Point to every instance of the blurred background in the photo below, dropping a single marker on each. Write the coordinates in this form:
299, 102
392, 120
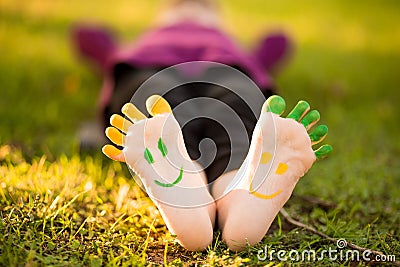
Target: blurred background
346, 59
346, 53
346, 63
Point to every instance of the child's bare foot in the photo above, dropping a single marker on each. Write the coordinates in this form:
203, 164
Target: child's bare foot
280, 153
154, 149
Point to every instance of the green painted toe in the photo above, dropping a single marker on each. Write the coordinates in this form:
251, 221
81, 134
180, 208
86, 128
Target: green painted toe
276, 104
299, 110
323, 151
319, 133
312, 117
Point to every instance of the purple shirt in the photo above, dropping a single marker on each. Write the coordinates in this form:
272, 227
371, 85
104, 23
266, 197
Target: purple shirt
186, 42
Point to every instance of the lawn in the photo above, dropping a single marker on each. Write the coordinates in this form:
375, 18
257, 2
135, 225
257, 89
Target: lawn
61, 207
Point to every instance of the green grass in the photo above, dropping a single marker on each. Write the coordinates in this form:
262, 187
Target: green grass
58, 207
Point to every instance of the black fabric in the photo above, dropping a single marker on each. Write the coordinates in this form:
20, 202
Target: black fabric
231, 147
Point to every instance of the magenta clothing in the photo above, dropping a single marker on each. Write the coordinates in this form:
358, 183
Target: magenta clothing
181, 43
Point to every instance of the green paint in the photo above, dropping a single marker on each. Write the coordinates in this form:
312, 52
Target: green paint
162, 147
148, 156
276, 104
323, 151
173, 183
312, 117
298, 111
319, 133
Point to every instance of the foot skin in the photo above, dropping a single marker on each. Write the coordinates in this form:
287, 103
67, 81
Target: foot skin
280, 153
154, 149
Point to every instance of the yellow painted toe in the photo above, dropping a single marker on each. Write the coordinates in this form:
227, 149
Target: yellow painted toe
132, 112
115, 136
156, 104
113, 153
120, 123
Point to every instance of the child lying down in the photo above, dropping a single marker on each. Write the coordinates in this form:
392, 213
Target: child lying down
199, 85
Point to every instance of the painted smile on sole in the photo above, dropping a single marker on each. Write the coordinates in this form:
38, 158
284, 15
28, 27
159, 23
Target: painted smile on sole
173, 183
282, 168
263, 196
164, 151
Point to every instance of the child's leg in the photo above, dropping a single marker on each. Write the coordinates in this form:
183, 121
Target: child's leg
154, 148
280, 153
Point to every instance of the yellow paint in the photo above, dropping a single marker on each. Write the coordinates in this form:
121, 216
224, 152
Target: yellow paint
282, 168
132, 112
265, 157
113, 153
115, 136
262, 196
120, 123
156, 104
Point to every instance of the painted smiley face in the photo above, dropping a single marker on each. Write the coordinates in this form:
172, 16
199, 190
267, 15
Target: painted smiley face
281, 169
164, 151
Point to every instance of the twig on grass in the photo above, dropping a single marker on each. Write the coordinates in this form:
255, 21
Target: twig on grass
292, 221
